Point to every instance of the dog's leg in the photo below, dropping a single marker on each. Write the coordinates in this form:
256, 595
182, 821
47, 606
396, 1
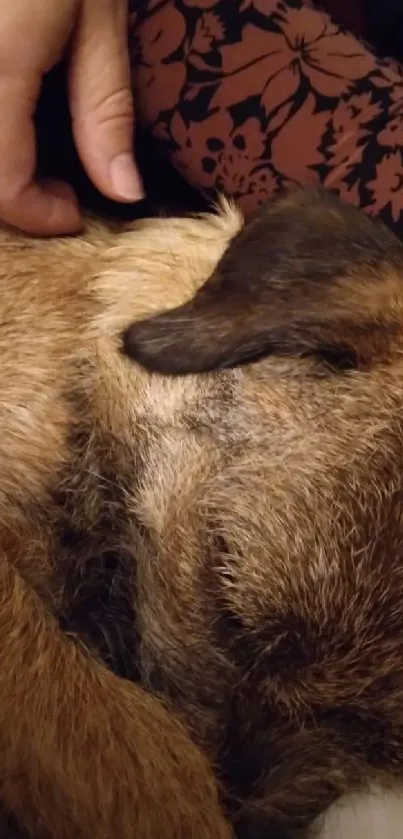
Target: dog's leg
83, 753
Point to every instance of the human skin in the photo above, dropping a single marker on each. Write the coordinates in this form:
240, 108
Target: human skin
92, 36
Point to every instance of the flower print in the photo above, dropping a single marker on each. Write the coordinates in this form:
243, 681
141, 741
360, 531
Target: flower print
297, 160
392, 134
258, 5
308, 45
208, 30
161, 34
156, 39
261, 186
201, 4
352, 115
151, 88
227, 154
343, 154
350, 128
386, 188
348, 193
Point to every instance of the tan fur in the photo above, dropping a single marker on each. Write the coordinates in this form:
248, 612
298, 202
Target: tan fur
83, 753
254, 517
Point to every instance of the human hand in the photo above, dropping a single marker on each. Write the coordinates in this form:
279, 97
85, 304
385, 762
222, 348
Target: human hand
34, 36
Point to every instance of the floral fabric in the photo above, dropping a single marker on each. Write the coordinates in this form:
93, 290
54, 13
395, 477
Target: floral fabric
246, 96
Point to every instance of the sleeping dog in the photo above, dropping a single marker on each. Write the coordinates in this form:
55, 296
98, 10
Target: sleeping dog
201, 614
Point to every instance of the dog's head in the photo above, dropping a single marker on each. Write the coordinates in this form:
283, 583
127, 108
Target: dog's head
313, 471
308, 276
290, 466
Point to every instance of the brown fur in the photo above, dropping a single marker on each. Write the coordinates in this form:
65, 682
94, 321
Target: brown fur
284, 286
231, 542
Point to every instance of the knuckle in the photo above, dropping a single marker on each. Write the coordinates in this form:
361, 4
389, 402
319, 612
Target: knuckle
10, 193
115, 106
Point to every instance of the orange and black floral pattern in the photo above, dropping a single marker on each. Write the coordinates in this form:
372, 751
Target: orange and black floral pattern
246, 96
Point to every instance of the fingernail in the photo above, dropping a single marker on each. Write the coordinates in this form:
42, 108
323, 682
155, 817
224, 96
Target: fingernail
125, 178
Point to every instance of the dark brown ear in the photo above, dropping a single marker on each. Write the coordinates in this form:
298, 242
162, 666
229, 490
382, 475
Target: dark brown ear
307, 276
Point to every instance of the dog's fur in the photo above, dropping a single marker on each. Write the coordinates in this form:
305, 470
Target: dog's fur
232, 542
284, 286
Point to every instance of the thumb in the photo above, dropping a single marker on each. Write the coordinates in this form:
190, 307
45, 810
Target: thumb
101, 101
39, 209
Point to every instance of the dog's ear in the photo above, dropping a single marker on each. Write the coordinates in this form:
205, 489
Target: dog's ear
307, 276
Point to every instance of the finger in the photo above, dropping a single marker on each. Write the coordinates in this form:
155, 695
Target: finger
46, 209
101, 101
